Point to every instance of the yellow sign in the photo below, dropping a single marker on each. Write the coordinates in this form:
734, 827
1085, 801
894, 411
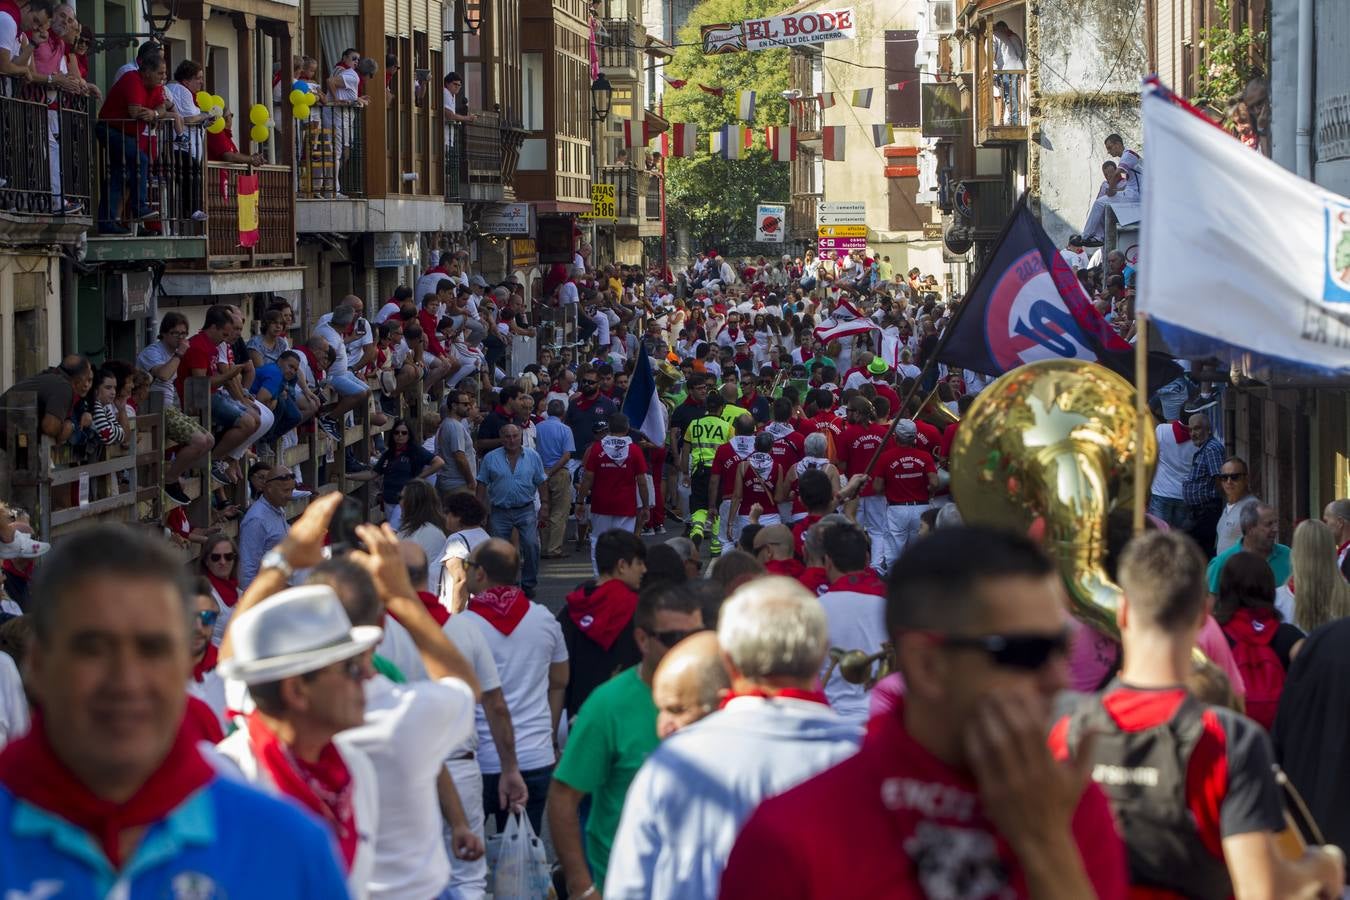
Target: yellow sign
604, 204
830, 231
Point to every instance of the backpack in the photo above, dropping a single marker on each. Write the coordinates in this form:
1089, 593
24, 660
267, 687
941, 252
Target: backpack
1263, 675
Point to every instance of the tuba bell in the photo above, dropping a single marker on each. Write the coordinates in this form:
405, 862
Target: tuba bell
1053, 445
856, 666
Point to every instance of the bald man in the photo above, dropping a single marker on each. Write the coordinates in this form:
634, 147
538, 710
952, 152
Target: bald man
689, 683
775, 549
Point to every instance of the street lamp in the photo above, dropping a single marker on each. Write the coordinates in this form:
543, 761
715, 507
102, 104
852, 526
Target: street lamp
601, 95
159, 23
473, 20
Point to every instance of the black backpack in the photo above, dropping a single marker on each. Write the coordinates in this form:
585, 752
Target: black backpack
1143, 773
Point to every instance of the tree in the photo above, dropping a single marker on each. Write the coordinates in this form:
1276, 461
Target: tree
715, 198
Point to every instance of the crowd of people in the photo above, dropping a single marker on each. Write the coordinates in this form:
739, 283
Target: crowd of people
820, 683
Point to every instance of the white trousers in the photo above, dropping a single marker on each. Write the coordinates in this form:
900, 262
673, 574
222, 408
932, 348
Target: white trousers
902, 527
601, 523
1095, 229
872, 517
265, 421
469, 879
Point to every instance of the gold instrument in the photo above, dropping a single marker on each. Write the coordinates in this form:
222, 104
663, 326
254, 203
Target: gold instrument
1052, 445
936, 413
855, 666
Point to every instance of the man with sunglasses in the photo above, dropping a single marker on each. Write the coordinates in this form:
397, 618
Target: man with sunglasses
1164, 757
1237, 493
611, 737
954, 793
264, 526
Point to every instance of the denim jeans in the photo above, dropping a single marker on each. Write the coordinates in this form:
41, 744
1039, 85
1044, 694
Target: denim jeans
1011, 88
524, 519
536, 782
287, 417
127, 166
1172, 511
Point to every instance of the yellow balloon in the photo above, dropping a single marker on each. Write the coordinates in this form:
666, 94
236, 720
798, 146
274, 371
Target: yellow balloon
300, 110
203, 99
216, 127
217, 101
259, 133
298, 97
258, 114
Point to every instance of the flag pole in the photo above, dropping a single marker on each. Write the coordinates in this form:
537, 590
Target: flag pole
1142, 418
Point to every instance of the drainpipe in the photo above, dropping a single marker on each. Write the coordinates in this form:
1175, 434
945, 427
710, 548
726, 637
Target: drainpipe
1303, 128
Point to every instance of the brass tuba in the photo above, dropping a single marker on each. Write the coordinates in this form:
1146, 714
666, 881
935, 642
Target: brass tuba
1055, 442
856, 666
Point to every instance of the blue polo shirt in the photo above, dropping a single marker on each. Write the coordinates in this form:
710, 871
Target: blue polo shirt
509, 488
552, 438
225, 840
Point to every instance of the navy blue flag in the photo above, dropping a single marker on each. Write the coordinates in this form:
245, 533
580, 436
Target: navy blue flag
1026, 305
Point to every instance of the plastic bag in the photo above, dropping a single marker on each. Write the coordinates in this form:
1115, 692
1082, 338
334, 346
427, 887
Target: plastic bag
520, 870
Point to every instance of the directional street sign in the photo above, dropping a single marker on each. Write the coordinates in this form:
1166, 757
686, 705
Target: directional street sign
842, 243
839, 231
842, 212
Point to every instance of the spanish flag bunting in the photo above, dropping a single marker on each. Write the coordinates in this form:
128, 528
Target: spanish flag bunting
246, 189
832, 142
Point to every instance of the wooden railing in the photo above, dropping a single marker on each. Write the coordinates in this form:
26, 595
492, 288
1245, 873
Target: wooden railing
804, 113
276, 216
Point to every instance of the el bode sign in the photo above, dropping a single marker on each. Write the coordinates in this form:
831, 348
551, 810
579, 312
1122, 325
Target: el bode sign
779, 31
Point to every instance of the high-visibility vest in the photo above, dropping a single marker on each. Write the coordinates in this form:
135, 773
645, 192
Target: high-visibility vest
705, 435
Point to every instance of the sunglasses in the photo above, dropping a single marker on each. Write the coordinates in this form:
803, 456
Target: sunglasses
1029, 652
280, 478
1231, 476
671, 638
208, 618
222, 557
589, 383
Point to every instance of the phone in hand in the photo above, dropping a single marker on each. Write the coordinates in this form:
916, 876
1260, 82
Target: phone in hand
342, 528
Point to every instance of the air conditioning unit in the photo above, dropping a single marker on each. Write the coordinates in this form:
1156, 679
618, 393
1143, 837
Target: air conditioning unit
941, 16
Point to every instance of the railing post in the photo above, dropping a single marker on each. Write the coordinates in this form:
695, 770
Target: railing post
197, 403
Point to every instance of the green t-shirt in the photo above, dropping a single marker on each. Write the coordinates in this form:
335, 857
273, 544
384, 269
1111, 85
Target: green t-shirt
387, 669
611, 737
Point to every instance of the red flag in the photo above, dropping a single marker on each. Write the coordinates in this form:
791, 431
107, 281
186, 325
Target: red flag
748, 137
676, 83
637, 134
782, 142
246, 188
715, 91
679, 141
832, 142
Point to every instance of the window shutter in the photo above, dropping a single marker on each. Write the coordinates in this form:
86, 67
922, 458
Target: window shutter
902, 106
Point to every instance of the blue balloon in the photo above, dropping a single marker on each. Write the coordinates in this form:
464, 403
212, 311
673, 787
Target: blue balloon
301, 86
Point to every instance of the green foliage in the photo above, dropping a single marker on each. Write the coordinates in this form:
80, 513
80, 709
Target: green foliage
715, 198
1232, 58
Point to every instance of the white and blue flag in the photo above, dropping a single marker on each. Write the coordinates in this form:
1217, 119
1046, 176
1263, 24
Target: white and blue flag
642, 405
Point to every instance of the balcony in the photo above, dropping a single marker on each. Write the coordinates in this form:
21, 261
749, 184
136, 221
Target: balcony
805, 115
45, 157
475, 163
332, 154
620, 49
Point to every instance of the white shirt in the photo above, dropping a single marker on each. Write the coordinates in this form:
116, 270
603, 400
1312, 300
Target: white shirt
399, 648
523, 659
339, 346
361, 335
470, 642
351, 84
856, 622
384, 312
1174, 463
458, 546
408, 732
672, 841
1229, 531
9, 35
601, 321
568, 293
211, 691
365, 798
129, 67
432, 540
13, 703
1077, 260
186, 104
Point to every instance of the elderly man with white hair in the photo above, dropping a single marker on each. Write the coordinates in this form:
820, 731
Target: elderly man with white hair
775, 730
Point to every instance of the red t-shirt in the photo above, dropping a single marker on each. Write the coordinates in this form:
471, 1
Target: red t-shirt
758, 489
858, 445
904, 472
893, 822
1229, 788
815, 580
892, 398
725, 461
614, 489
930, 438
789, 450
129, 91
201, 353
948, 435
799, 533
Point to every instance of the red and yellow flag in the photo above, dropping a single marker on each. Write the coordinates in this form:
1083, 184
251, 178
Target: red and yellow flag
247, 191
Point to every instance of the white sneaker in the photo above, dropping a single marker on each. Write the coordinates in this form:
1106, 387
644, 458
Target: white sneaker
24, 546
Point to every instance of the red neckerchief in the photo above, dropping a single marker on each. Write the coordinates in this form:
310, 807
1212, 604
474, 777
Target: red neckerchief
503, 606
785, 693
1181, 432
815, 580
31, 771
807, 355
313, 361
1339, 551
603, 614
433, 605
226, 588
791, 568
864, 582
325, 787
206, 664
19, 568
583, 403
200, 722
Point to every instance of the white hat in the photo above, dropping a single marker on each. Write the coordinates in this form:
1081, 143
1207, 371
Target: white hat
298, 630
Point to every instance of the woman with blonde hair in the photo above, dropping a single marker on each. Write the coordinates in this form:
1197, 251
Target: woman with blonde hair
1321, 593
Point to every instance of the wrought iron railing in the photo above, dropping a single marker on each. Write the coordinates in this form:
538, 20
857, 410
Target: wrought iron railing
150, 177
618, 45
44, 149
331, 153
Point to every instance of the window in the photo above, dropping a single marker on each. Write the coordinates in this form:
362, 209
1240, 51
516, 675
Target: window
902, 106
532, 90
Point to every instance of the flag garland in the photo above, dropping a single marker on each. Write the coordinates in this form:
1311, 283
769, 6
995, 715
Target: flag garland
715, 91
832, 142
680, 140
882, 135
862, 98
746, 110
826, 99
898, 86
637, 133
727, 142
675, 83
781, 141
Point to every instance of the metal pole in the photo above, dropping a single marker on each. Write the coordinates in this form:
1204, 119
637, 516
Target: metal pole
1141, 481
661, 111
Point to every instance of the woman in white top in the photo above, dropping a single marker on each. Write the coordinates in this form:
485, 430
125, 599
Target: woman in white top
464, 518
423, 523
